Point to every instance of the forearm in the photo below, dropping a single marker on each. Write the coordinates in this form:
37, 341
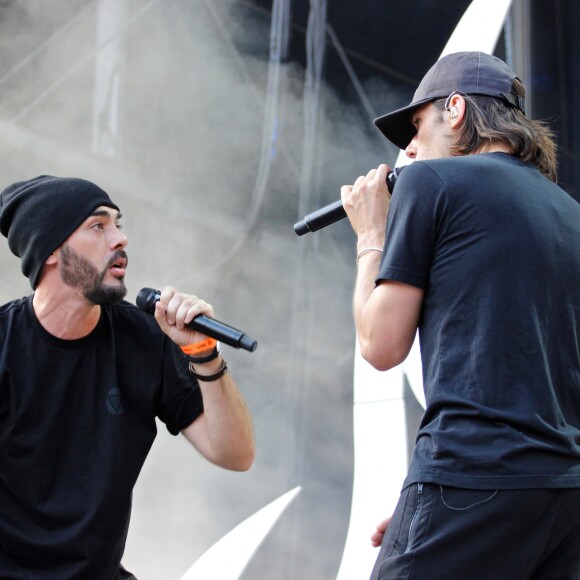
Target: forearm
366, 204
386, 315
367, 270
224, 433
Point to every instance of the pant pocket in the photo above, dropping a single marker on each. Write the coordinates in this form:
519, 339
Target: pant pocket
459, 499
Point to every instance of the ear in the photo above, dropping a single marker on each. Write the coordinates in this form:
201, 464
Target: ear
52, 259
456, 109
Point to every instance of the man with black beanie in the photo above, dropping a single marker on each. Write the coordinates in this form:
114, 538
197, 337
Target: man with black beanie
479, 250
83, 377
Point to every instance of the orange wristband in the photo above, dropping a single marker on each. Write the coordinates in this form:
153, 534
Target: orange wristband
199, 346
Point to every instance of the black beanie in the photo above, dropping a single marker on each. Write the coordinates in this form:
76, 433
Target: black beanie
38, 215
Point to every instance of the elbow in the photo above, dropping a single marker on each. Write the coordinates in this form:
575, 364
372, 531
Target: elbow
245, 461
380, 358
241, 460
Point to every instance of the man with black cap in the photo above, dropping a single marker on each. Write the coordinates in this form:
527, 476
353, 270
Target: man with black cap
479, 250
83, 377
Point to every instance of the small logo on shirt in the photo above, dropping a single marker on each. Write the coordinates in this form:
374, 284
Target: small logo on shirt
114, 405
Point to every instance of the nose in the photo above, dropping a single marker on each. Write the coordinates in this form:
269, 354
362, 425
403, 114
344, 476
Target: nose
411, 149
119, 240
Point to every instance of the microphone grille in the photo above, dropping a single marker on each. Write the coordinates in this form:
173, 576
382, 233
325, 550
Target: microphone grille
147, 298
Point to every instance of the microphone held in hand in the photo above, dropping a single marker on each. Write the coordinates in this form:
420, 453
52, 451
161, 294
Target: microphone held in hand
334, 212
147, 298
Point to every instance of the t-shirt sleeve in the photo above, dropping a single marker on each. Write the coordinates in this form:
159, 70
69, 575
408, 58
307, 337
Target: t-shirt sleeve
412, 227
153, 371
180, 401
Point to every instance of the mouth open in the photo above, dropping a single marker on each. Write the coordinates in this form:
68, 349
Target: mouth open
118, 266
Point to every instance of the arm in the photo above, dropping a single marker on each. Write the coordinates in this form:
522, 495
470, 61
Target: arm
223, 433
386, 315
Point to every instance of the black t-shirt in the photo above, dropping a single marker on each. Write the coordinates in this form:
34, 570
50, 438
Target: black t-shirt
77, 419
496, 248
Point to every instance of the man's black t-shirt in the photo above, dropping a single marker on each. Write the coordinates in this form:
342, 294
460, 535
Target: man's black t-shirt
496, 248
77, 419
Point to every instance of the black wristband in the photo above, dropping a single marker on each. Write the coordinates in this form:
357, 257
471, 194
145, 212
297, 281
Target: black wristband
209, 378
204, 359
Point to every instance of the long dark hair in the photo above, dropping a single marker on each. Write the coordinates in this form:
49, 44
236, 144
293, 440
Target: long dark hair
491, 120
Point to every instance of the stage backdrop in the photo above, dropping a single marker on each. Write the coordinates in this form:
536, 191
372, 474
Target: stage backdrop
216, 125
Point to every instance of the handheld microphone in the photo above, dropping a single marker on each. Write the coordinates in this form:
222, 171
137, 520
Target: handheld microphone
147, 298
334, 212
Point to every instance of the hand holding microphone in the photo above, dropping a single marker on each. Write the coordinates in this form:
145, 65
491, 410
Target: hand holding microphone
334, 212
211, 327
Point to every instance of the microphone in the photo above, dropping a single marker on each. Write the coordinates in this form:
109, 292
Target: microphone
334, 212
147, 298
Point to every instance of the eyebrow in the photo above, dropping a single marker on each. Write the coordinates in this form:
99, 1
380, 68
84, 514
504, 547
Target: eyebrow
104, 212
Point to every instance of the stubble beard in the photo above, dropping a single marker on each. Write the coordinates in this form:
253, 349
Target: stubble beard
77, 272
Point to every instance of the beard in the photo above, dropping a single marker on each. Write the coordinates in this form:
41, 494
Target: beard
77, 272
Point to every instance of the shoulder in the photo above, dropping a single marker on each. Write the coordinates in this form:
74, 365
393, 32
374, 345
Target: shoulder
15, 317
126, 308
461, 175
128, 317
460, 165
422, 184
134, 329
14, 307
429, 175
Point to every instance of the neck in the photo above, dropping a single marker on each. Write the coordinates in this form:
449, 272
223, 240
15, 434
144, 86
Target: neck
65, 314
495, 147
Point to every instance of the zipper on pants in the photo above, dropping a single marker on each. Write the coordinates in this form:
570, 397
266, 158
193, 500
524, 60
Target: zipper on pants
415, 515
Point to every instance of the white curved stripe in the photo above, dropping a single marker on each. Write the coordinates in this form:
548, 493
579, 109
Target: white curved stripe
379, 425
227, 558
479, 27
414, 372
380, 461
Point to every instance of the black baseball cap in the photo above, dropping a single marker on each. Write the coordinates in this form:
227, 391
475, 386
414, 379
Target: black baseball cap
470, 73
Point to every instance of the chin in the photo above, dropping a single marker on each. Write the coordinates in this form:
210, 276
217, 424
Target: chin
104, 295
